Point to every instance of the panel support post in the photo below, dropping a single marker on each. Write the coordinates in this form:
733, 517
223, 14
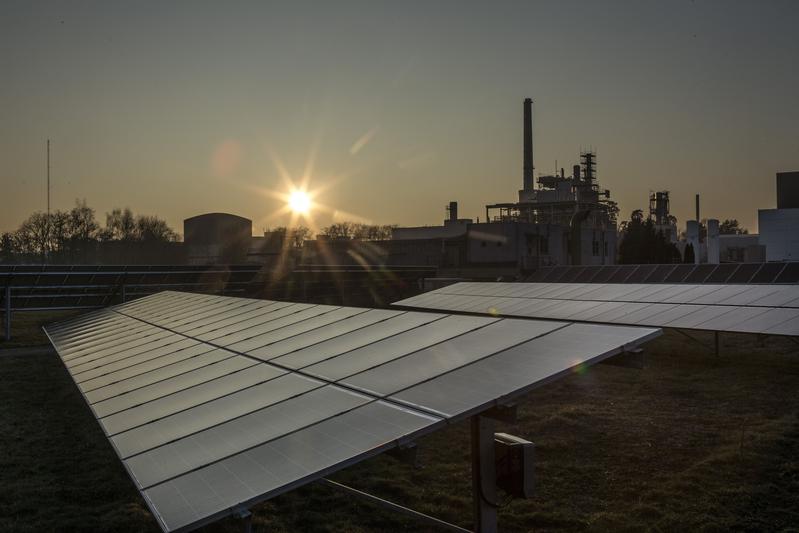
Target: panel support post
716, 344
123, 293
484, 479
245, 517
8, 313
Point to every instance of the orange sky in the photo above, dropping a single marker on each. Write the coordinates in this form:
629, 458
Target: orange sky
177, 109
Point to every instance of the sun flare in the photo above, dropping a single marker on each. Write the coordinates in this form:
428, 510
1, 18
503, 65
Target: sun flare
299, 202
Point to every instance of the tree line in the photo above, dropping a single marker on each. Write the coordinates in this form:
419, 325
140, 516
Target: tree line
358, 231
642, 243
67, 234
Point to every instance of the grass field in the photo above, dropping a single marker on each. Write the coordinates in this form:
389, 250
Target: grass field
26, 327
690, 442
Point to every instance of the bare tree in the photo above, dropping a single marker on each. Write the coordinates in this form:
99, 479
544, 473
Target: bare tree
152, 228
82, 224
355, 230
120, 225
339, 230
298, 235
8, 247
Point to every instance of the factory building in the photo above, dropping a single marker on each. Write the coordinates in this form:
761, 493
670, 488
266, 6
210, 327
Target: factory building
557, 220
779, 228
565, 220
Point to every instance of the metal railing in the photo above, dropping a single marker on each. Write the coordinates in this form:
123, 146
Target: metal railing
37, 288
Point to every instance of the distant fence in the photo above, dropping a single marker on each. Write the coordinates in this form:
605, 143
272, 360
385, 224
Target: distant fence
59, 287
55, 288
724, 273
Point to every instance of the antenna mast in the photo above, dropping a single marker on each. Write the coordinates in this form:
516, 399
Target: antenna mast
48, 180
47, 227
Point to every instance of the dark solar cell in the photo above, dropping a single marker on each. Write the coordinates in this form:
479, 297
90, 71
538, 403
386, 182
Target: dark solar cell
640, 274
555, 273
699, 274
744, 272
722, 273
768, 273
571, 275
790, 274
621, 275
679, 273
658, 275
538, 275
605, 274
588, 274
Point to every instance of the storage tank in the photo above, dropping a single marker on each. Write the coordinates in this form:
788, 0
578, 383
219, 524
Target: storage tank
713, 241
217, 238
692, 236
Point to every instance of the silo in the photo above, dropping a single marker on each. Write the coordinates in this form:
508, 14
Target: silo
713, 241
692, 236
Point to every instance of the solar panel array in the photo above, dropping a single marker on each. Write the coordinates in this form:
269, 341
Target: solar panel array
766, 309
43, 287
675, 273
214, 402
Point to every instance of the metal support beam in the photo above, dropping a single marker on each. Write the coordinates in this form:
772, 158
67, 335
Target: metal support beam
716, 343
484, 476
393, 506
505, 413
8, 313
691, 337
245, 516
124, 296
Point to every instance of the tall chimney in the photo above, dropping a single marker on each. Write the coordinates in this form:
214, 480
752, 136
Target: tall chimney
528, 145
697, 208
453, 211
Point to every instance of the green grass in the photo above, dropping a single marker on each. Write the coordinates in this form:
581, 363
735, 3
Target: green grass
690, 442
26, 327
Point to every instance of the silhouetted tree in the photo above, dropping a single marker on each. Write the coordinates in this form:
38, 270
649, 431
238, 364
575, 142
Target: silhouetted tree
642, 244
33, 235
152, 228
355, 230
120, 225
689, 256
7, 247
731, 227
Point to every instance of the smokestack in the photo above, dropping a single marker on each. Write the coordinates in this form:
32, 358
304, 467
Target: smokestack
528, 145
453, 211
697, 208
576, 172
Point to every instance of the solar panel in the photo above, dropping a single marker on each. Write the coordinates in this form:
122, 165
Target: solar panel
555, 273
745, 272
589, 274
722, 273
571, 275
214, 402
622, 273
679, 273
640, 274
789, 275
768, 273
767, 309
700, 274
605, 274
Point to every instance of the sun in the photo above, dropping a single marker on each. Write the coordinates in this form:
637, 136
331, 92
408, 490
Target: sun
299, 202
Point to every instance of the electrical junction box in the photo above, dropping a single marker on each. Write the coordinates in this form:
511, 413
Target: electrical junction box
514, 465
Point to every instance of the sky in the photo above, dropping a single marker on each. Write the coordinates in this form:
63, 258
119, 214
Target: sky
392, 109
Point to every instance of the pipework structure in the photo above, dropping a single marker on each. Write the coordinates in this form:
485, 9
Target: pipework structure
576, 204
